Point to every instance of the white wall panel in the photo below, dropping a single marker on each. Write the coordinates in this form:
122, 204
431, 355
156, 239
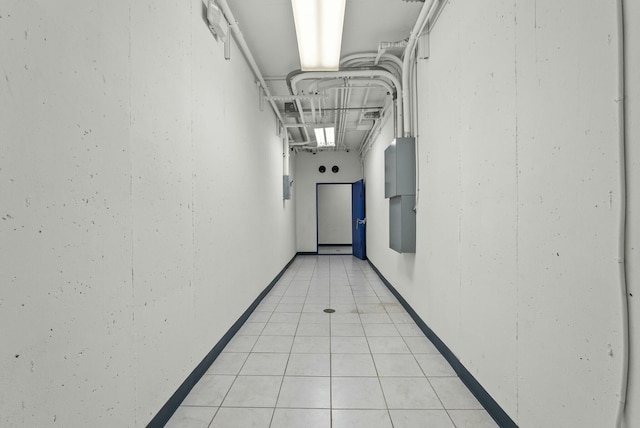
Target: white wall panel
133, 194
516, 267
307, 176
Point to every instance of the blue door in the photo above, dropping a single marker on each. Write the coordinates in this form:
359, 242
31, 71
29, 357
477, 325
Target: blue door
358, 220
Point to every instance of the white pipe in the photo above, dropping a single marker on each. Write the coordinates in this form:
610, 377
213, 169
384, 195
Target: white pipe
285, 154
242, 44
409, 52
623, 230
390, 66
370, 83
369, 55
356, 74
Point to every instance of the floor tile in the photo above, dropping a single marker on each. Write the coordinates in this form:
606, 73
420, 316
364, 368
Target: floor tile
277, 344
400, 318
380, 330
310, 345
292, 299
345, 308
369, 299
346, 329
298, 418
209, 391
434, 365
191, 417
387, 345
421, 419
292, 357
349, 345
241, 344
289, 307
371, 309
361, 419
321, 300
253, 391
394, 307
356, 393
454, 394
279, 329
352, 365
231, 417
285, 317
348, 318
409, 393
251, 329
409, 330
375, 319
259, 317
309, 318
472, 419
305, 392
314, 308
397, 365
315, 330
228, 363
308, 365
264, 364
421, 345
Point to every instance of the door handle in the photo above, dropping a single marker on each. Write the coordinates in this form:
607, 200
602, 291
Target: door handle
360, 221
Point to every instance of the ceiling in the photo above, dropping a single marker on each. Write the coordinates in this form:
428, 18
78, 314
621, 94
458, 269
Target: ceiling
350, 104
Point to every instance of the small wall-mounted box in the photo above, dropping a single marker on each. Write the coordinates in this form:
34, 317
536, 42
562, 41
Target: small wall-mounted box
402, 224
286, 187
400, 168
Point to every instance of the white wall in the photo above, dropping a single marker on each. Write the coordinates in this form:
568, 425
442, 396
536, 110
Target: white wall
334, 214
130, 184
307, 176
516, 265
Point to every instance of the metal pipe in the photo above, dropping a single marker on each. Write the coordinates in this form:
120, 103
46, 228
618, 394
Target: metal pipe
294, 79
364, 103
422, 20
372, 55
623, 231
244, 48
369, 83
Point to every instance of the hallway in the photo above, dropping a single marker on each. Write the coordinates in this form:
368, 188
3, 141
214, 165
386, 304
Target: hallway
366, 365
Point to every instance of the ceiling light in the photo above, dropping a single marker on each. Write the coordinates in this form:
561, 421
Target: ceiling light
319, 32
325, 137
330, 134
320, 137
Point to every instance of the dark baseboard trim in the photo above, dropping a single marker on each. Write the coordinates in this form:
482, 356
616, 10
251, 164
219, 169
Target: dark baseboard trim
491, 406
307, 253
165, 413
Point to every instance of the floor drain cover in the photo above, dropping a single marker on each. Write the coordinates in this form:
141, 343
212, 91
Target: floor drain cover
329, 311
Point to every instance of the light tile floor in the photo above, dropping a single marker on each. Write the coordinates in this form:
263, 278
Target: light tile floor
366, 365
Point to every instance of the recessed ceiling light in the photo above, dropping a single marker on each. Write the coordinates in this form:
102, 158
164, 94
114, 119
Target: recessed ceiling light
320, 137
319, 32
325, 137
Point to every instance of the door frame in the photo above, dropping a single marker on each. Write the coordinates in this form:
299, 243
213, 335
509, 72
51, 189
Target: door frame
317, 209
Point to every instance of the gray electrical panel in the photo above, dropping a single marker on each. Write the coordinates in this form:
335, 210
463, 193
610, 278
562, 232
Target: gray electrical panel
400, 188
402, 224
400, 168
286, 187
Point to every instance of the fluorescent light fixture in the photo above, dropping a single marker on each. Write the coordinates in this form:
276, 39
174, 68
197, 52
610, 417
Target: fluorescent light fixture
325, 137
320, 137
319, 32
330, 134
